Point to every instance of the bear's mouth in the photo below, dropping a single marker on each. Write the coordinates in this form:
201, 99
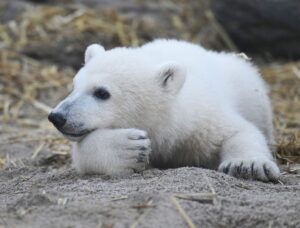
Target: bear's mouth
74, 136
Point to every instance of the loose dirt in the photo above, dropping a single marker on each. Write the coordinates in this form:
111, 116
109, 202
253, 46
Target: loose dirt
43, 196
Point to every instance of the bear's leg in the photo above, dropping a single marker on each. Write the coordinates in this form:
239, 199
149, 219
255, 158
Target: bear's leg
112, 152
245, 154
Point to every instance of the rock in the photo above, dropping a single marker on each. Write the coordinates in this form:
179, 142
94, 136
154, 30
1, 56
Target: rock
262, 27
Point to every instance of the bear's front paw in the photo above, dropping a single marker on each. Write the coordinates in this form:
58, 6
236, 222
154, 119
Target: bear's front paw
134, 148
258, 169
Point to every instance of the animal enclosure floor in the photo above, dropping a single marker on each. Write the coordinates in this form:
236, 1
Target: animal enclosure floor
44, 196
38, 187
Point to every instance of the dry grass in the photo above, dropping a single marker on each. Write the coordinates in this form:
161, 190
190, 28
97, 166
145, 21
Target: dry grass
28, 89
69, 29
284, 83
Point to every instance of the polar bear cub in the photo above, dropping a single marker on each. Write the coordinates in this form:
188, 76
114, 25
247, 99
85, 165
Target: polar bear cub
171, 103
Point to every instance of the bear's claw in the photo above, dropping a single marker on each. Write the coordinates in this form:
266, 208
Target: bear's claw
134, 149
258, 169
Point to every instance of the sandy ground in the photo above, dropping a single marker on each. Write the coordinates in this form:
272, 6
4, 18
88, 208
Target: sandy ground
39, 195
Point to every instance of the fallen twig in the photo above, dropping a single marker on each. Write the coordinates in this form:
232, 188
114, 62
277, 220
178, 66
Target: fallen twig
182, 212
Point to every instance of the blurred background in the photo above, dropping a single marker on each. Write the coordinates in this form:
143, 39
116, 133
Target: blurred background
42, 44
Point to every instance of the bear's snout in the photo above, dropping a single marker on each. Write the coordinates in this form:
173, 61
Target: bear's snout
57, 119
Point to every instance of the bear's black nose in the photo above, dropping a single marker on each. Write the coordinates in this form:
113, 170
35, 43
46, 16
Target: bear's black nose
57, 119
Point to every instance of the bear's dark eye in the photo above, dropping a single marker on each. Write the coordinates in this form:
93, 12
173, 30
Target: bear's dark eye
101, 93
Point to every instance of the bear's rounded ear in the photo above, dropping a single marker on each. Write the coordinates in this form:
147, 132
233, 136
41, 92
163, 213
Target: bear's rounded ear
171, 77
93, 50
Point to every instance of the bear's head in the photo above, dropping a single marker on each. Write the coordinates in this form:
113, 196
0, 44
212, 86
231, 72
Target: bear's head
120, 88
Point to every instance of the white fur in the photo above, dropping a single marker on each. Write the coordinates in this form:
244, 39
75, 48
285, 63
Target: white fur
212, 111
